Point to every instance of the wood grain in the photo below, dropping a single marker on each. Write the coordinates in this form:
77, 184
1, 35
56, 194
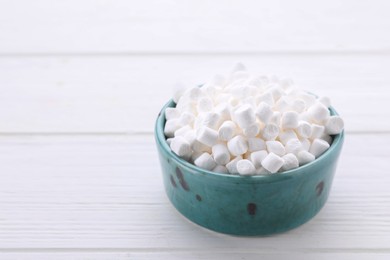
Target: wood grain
172, 26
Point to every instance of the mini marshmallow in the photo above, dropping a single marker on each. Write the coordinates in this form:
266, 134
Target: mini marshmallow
275, 118
282, 105
252, 130
237, 145
246, 167
304, 129
334, 125
186, 118
275, 147
212, 120
277, 92
272, 163
264, 112
205, 104
257, 157
171, 112
265, 98
316, 131
325, 101
327, 138
220, 169
308, 98
290, 162
169, 141
244, 116
318, 112
182, 130
170, 127
232, 165
261, 171
255, 144
286, 136
318, 147
227, 130
181, 147
289, 120
205, 161
207, 136
293, 146
270, 131
221, 154
194, 93
223, 111
305, 157
305, 144
298, 106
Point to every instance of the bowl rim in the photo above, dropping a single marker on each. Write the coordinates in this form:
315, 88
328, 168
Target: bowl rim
161, 140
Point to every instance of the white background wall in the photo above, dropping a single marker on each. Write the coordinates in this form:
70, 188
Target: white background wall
81, 83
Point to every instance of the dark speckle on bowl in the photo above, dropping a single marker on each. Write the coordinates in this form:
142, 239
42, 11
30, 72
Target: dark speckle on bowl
182, 181
173, 182
251, 208
198, 197
320, 188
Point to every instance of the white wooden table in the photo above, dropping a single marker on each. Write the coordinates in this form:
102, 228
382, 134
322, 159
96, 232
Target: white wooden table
81, 83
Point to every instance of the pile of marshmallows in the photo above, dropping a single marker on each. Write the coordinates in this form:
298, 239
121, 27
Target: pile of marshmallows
249, 125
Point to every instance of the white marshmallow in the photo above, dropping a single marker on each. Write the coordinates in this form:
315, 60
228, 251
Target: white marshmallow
220, 169
252, 130
190, 136
199, 147
298, 106
316, 131
290, 162
325, 101
205, 104
182, 130
186, 118
293, 146
282, 105
334, 125
318, 147
270, 131
290, 120
264, 112
275, 118
305, 144
245, 167
318, 112
308, 98
255, 144
276, 91
237, 145
304, 129
171, 112
169, 141
265, 98
227, 130
223, 110
181, 147
232, 165
275, 147
207, 136
257, 157
305, 157
244, 116
205, 161
194, 93
327, 138
261, 171
221, 154
286, 136
171, 126
212, 120
272, 163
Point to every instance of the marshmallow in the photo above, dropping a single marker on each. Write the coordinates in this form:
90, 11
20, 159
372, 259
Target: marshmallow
327, 138
261, 171
316, 131
237, 145
245, 116
194, 93
305, 157
190, 136
181, 147
308, 98
282, 105
171, 112
275, 118
200, 147
205, 161
318, 112
223, 111
264, 112
232, 165
286, 136
305, 144
257, 157
205, 104
277, 92
186, 118
270, 131
207, 136
293, 146
275, 147
318, 147
289, 120
304, 129
170, 127
220, 169
298, 106
252, 130
334, 125
325, 101
245, 167
265, 98
227, 130
169, 141
255, 144
272, 163
212, 120
182, 130
221, 154
290, 162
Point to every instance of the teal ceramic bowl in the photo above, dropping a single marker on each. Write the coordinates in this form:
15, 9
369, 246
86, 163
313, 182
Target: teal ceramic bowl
246, 205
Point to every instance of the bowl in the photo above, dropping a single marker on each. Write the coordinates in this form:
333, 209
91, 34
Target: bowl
246, 205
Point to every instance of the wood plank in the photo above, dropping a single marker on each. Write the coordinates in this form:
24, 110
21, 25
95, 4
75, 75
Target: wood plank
105, 193
114, 94
192, 26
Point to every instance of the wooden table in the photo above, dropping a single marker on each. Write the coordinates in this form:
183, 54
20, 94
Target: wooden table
81, 83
